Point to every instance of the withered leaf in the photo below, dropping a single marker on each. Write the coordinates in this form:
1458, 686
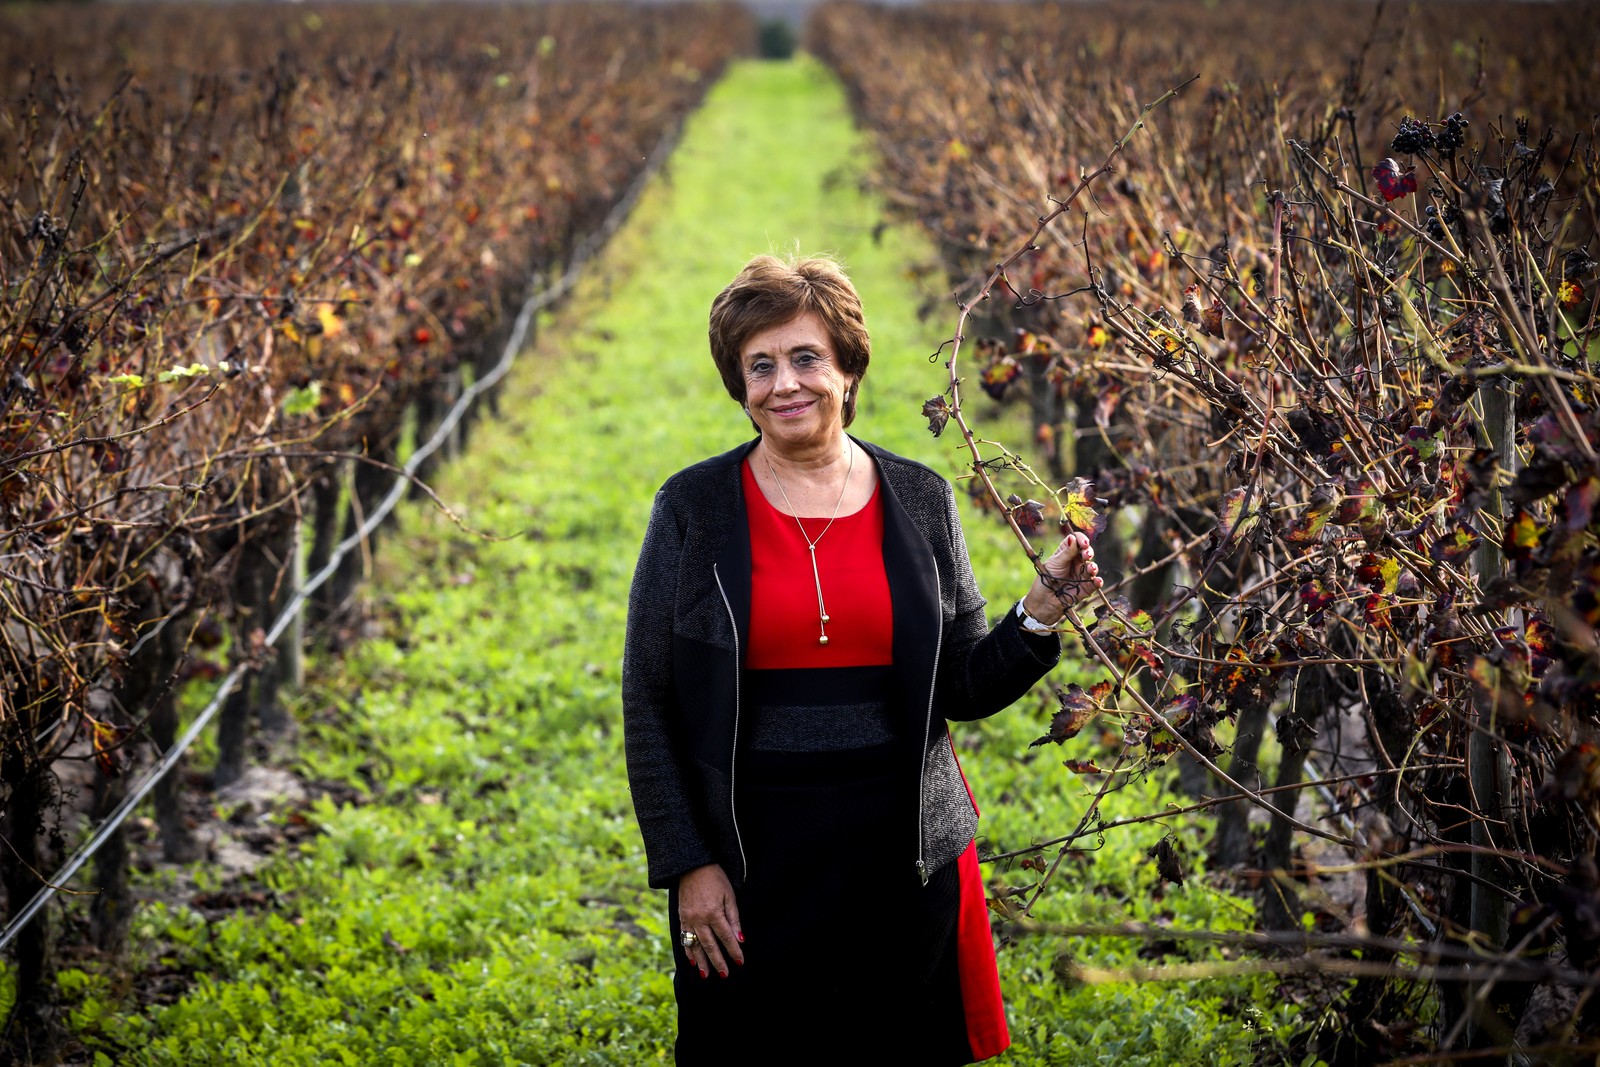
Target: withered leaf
1191, 304
1575, 776
1208, 316
1578, 506
1169, 861
938, 414
1028, 513
1079, 706
1231, 518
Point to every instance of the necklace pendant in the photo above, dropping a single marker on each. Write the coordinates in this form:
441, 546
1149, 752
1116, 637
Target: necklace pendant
822, 640
826, 620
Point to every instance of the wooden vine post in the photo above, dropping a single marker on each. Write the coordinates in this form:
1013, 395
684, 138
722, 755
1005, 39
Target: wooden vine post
1489, 770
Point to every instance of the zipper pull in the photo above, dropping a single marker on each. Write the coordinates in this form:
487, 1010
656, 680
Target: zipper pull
922, 872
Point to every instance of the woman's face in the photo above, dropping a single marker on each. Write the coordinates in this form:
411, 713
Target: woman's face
793, 385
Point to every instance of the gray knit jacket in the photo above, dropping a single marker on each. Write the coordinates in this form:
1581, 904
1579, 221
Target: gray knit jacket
688, 619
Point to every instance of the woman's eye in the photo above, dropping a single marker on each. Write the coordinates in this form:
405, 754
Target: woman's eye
761, 366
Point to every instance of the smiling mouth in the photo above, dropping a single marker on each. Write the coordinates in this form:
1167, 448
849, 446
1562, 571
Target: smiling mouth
792, 409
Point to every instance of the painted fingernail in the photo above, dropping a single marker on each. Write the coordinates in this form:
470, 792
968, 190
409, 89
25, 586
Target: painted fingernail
740, 935
703, 973
723, 973
739, 962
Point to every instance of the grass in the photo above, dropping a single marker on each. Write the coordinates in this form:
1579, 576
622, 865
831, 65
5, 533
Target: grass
485, 903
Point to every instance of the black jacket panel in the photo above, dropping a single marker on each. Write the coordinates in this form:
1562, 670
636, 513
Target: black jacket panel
688, 616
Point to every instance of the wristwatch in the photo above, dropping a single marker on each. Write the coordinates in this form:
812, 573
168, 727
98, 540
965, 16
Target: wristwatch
1031, 624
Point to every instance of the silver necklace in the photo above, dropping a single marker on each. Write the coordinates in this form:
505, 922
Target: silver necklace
811, 542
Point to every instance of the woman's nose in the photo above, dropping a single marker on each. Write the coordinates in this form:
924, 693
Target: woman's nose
784, 378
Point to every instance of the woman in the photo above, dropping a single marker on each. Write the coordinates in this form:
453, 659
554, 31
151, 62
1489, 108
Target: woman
802, 621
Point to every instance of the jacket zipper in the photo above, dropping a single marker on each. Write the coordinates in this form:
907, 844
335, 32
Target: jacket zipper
733, 762
927, 727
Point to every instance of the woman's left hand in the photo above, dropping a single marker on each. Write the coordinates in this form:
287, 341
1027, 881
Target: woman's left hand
1073, 569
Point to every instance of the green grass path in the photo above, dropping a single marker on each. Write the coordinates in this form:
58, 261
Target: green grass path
485, 903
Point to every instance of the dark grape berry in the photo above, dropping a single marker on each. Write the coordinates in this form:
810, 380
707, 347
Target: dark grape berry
1453, 136
1413, 137
1436, 223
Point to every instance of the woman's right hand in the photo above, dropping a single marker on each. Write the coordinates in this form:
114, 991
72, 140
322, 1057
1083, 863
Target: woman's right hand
707, 908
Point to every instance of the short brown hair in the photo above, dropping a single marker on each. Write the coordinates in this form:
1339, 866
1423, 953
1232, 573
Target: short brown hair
770, 292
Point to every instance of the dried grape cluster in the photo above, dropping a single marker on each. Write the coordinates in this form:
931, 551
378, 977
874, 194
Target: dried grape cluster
1413, 137
1453, 137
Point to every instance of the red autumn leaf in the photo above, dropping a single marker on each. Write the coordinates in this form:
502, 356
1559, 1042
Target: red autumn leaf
1082, 766
1376, 610
1570, 294
1394, 183
107, 740
1540, 638
1522, 535
1359, 504
937, 413
1160, 744
1307, 526
1455, 546
1028, 513
998, 376
1316, 595
1380, 572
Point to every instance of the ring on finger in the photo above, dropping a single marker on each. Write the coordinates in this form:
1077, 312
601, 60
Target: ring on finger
688, 939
